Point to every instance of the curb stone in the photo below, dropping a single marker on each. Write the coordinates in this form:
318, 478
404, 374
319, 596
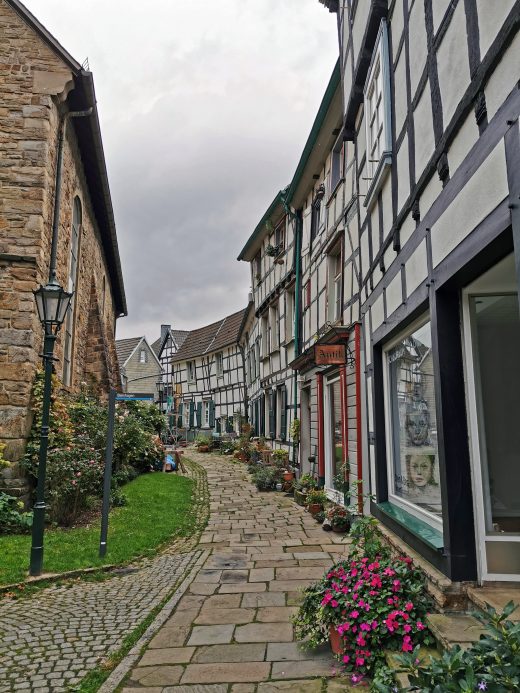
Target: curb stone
126, 664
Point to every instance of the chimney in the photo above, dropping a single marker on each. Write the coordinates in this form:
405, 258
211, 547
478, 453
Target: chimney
164, 331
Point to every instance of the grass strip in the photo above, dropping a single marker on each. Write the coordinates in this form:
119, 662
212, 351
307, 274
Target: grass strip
161, 508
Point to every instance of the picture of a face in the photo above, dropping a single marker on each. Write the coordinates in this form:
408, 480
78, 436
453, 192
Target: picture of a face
420, 470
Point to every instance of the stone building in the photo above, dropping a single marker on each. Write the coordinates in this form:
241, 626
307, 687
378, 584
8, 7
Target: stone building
430, 118
139, 366
42, 87
209, 378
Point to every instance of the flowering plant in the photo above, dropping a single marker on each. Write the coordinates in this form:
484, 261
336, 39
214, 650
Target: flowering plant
373, 604
339, 517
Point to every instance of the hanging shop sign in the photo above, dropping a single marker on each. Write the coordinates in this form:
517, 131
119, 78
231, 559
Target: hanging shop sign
329, 354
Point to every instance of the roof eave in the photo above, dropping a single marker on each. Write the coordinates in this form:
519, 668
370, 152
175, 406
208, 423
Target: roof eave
250, 249
319, 121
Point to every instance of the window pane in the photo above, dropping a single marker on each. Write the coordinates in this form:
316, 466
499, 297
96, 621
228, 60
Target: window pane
337, 431
415, 460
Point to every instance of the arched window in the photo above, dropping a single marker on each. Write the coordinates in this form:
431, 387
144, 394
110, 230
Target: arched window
73, 271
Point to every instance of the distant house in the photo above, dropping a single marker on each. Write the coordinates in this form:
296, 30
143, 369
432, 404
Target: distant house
164, 348
139, 366
209, 377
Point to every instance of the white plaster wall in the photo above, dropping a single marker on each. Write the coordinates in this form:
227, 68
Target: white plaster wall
386, 197
439, 10
503, 79
464, 140
358, 29
424, 136
416, 268
407, 228
365, 261
397, 23
401, 102
394, 294
378, 314
491, 16
430, 193
483, 192
452, 64
418, 44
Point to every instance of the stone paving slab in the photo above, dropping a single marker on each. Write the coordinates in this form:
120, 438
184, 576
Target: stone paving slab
233, 628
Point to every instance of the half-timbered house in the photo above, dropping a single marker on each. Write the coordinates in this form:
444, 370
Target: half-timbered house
430, 113
269, 338
164, 348
209, 378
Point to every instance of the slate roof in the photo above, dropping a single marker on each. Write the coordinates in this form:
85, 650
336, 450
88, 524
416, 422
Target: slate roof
212, 337
124, 348
178, 335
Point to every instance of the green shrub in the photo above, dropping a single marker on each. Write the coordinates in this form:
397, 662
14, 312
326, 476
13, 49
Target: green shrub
12, 519
492, 664
266, 478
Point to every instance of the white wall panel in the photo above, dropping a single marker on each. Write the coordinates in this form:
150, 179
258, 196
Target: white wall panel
503, 79
394, 294
424, 137
416, 268
418, 44
464, 140
483, 192
491, 16
453, 64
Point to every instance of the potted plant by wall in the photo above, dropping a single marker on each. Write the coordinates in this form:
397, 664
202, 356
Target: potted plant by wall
304, 484
339, 518
202, 443
316, 499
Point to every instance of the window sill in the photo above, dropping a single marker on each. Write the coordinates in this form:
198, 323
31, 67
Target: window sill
377, 181
423, 531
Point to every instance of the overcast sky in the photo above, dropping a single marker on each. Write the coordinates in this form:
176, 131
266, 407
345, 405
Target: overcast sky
205, 107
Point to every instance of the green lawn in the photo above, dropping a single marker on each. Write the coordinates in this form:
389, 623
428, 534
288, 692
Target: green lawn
160, 508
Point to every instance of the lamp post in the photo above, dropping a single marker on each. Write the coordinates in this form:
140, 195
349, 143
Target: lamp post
52, 302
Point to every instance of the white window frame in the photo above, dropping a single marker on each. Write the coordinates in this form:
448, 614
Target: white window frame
378, 82
205, 413
186, 413
289, 315
274, 327
264, 326
337, 165
219, 364
416, 511
142, 356
335, 293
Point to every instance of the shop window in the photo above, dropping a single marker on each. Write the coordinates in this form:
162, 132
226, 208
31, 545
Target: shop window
413, 459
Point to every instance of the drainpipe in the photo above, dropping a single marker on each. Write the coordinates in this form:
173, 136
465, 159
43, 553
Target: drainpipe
57, 188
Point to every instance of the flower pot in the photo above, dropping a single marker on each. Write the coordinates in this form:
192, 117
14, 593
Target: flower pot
203, 448
279, 486
288, 476
340, 529
315, 508
326, 526
336, 641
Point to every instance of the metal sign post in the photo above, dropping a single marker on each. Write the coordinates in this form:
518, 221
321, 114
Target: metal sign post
107, 479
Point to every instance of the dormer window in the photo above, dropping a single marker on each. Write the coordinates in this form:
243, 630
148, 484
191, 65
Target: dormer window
377, 115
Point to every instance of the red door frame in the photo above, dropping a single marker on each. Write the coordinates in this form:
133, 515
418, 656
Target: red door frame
321, 431
357, 354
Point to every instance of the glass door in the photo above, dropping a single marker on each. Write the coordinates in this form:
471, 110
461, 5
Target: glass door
494, 408
334, 442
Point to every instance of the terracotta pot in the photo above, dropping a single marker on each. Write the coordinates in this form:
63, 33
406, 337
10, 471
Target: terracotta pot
314, 508
203, 448
339, 529
288, 476
336, 641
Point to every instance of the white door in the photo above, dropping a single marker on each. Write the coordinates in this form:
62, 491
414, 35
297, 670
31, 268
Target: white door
492, 355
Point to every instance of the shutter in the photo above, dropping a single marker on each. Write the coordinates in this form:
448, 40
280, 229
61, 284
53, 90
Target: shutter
179, 417
212, 414
192, 413
199, 415
262, 415
283, 414
272, 414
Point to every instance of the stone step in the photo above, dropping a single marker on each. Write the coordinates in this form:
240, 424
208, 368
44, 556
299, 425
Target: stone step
425, 654
455, 629
497, 597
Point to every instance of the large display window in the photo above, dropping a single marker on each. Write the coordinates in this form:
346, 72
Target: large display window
411, 424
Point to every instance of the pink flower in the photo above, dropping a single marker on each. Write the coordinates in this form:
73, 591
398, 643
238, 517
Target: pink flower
360, 661
407, 644
388, 571
356, 678
390, 601
346, 659
78, 474
364, 626
407, 628
334, 603
361, 640
74, 482
420, 626
354, 614
408, 606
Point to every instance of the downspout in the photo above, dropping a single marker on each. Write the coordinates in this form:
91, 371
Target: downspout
57, 188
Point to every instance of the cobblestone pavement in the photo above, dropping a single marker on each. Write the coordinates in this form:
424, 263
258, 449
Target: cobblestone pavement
231, 632
49, 641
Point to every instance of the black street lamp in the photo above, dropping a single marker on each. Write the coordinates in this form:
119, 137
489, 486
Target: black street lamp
52, 302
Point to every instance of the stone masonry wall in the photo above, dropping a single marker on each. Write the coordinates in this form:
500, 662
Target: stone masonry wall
33, 83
